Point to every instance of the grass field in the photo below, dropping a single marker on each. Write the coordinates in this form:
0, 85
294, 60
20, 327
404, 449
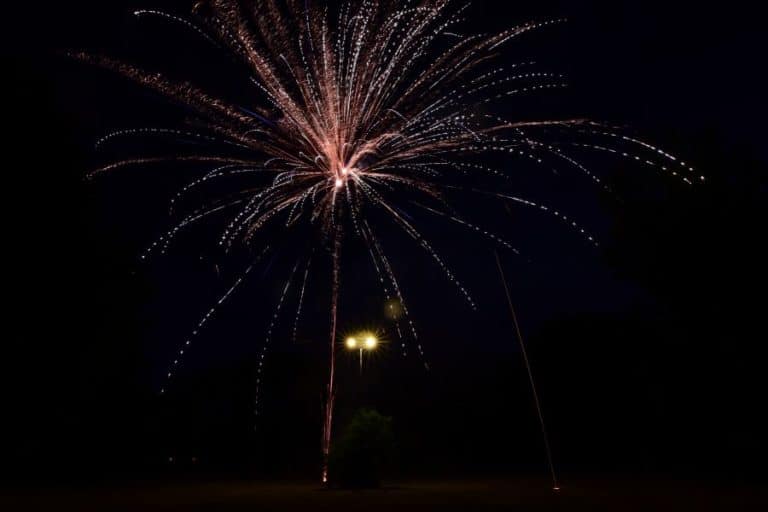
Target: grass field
511, 494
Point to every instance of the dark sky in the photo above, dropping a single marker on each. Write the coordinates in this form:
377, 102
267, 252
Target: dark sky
648, 349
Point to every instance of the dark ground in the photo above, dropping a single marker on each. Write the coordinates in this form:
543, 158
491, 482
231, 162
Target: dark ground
512, 494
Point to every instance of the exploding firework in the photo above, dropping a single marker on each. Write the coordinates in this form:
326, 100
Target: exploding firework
374, 106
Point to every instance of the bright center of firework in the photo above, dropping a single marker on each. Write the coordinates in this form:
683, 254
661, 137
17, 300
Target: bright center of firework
351, 343
343, 174
370, 342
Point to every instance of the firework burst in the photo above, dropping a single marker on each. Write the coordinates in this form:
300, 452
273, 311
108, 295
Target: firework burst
376, 105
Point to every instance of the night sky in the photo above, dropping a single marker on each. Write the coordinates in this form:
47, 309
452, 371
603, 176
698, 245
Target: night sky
649, 351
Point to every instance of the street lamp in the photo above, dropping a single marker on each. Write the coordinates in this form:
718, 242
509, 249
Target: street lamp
363, 343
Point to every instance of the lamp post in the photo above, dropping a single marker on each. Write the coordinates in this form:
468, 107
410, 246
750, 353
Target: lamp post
362, 343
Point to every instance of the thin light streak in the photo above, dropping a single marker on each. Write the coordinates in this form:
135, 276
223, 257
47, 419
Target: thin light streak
524, 352
206, 318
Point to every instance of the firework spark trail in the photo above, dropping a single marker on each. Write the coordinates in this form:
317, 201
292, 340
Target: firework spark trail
331, 390
207, 317
531, 380
301, 298
408, 228
375, 106
549, 210
156, 132
472, 227
163, 241
378, 252
268, 338
385, 289
218, 172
